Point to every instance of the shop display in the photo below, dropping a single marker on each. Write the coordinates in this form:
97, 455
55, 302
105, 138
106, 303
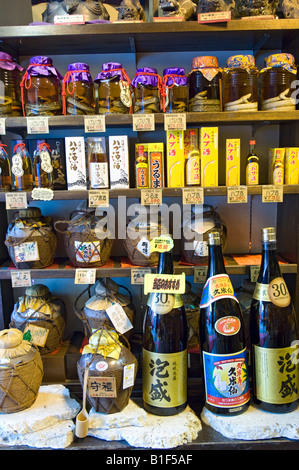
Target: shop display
191, 303
292, 165
41, 88
75, 163
193, 162
156, 165
141, 166
278, 82
91, 9
222, 339
119, 162
30, 239
209, 156
164, 349
114, 90
233, 150
10, 79
78, 93
21, 167
21, 372
97, 163
87, 241
175, 90
41, 318
147, 85
252, 165
205, 85
5, 173
175, 161
106, 361
42, 166
257, 7
240, 84
274, 335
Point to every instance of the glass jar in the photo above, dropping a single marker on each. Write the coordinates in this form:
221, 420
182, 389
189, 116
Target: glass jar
114, 91
240, 84
278, 82
41, 88
10, 79
205, 85
42, 165
146, 86
175, 90
78, 90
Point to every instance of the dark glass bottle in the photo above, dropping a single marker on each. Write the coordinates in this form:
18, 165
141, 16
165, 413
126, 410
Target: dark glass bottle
274, 335
252, 165
222, 339
164, 351
42, 166
5, 175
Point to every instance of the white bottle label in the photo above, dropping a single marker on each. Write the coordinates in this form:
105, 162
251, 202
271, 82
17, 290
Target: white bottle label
98, 175
17, 165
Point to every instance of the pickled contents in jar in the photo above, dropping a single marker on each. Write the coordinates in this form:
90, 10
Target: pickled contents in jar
277, 90
109, 98
22, 169
5, 175
240, 90
43, 97
204, 95
146, 99
10, 95
176, 100
42, 165
82, 100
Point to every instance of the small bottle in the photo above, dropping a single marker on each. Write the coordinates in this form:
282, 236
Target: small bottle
252, 165
278, 169
273, 335
22, 167
141, 168
42, 166
5, 175
193, 162
222, 339
98, 165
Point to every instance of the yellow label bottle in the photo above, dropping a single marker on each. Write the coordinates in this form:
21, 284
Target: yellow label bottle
252, 166
141, 168
193, 162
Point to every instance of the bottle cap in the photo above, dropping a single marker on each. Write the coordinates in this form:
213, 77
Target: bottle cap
214, 238
268, 234
140, 148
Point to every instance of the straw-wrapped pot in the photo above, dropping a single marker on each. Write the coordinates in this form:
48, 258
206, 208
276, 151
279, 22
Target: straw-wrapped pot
105, 356
30, 239
88, 244
39, 308
21, 372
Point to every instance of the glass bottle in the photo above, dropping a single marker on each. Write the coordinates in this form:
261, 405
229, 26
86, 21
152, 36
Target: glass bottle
146, 86
205, 85
193, 162
21, 167
98, 165
5, 174
42, 166
175, 85
252, 165
78, 90
10, 79
274, 335
278, 171
141, 166
114, 92
164, 349
222, 339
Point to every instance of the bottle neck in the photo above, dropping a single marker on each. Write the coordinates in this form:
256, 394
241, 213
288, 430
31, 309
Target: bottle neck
216, 261
269, 265
252, 149
165, 265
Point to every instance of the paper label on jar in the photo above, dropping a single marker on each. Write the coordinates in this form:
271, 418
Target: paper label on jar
87, 252
98, 175
27, 251
144, 247
217, 287
102, 387
201, 248
37, 335
164, 303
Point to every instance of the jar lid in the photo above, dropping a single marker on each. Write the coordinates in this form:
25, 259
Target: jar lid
42, 65
78, 71
204, 61
110, 70
37, 290
12, 344
175, 75
241, 61
285, 60
30, 212
8, 63
146, 76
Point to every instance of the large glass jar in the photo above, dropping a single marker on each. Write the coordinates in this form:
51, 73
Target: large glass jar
175, 90
41, 88
146, 86
10, 93
278, 82
78, 90
114, 92
205, 85
240, 84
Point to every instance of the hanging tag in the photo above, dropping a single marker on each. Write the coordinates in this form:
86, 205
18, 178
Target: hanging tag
27, 251
119, 318
128, 376
46, 164
125, 94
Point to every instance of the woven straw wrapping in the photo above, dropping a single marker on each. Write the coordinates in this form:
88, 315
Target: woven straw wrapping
21, 372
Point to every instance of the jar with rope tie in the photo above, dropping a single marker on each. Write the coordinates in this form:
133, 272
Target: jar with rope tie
5, 173
41, 88
41, 317
109, 369
31, 240
114, 89
205, 86
278, 83
10, 79
21, 167
78, 96
42, 165
175, 90
88, 238
240, 84
147, 86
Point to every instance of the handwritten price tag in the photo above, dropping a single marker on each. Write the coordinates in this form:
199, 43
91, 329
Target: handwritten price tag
237, 194
95, 123
98, 197
37, 125
254, 272
151, 197
16, 201
193, 195
272, 193
85, 276
137, 275
20, 278
175, 122
200, 274
144, 122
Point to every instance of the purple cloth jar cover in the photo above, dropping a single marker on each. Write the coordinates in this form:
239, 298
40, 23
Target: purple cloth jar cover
79, 71
7, 62
181, 80
45, 69
144, 79
109, 70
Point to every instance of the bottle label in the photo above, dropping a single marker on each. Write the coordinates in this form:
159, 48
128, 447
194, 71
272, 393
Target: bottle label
228, 326
88, 252
46, 164
164, 378
226, 379
193, 169
17, 165
252, 170
278, 175
217, 287
276, 374
261, 292
98, 175
142, 175
163, 303
275, 292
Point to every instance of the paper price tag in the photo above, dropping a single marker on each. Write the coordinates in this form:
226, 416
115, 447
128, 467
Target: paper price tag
237, 195
272, 193
144, 122
161, 244
20, 278
69, 19
165, 283
2, 126
193, 195
119, 318
175, 122
151, 197
37, 125
128, 376
95, 123
85, 276
200, 274
214, 17
254, 272
137, 275
16, 200
98, 197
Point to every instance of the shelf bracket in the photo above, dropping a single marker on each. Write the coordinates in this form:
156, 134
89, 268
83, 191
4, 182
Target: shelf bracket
259, 44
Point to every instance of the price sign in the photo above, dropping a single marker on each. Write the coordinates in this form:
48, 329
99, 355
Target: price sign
145, 122
137, 275
193, 195
272, 193
200, 274
16, 201
175, 122
95, 123
37, 125
237, 194
214, 17
85, 276
254, 272
164, 283
20, 278
2, 126
151, 197
98, 197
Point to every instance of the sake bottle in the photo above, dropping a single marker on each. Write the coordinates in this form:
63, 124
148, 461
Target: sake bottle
252, 165
141, 168
21, 167
42, 166
164, 351
222, 339
5, 175
98, 165
274, 335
